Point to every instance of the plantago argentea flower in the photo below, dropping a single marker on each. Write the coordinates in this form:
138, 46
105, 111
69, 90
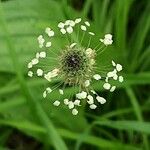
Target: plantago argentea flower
75, 65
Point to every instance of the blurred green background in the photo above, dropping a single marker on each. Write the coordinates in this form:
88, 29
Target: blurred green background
29, 123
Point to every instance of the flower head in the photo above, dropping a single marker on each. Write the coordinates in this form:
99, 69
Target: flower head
75, 65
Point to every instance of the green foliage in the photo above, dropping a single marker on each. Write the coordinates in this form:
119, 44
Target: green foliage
122, 123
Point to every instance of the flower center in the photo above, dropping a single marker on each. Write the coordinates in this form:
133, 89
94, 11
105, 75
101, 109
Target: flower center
75, 65
73, 62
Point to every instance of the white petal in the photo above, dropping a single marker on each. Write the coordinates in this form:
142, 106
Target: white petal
56, 103
61, 91
70, 105
97, 77
118, 67
87, 83
39, 72
112, 88
74, 111
78, 20
48, 44
121, 79
63, 31
106, 86
69, 29
93, 106
61, 25
101, 99
30, 74
66, 101
87, 23
83, 27
42, 54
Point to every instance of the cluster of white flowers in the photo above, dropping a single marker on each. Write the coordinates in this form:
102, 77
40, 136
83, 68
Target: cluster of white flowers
85, 94
34, 62
113, 75
67, 26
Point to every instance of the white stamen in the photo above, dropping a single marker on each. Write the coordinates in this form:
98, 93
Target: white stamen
35, 61
87, 83
51, 33
61, 91
112, 88
63, 31
77, 102
72, 23
42, 54
89, 52
56, 103
101, 100
44, 94
106, 86
81, 95
115, 77
74, 111
69, 29
37, 55
78, 20
121, 79
87, 23
49, 90
118, 67
91, 33
39, 72
72, 45
113, 63
97, 77
93, 91
83, 27
30, 65
90, 99
66, 101
70, 105
61, 25
30, 73
48, 44
93, 106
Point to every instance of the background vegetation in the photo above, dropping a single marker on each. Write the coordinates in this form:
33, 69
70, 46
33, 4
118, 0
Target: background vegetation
29, 123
